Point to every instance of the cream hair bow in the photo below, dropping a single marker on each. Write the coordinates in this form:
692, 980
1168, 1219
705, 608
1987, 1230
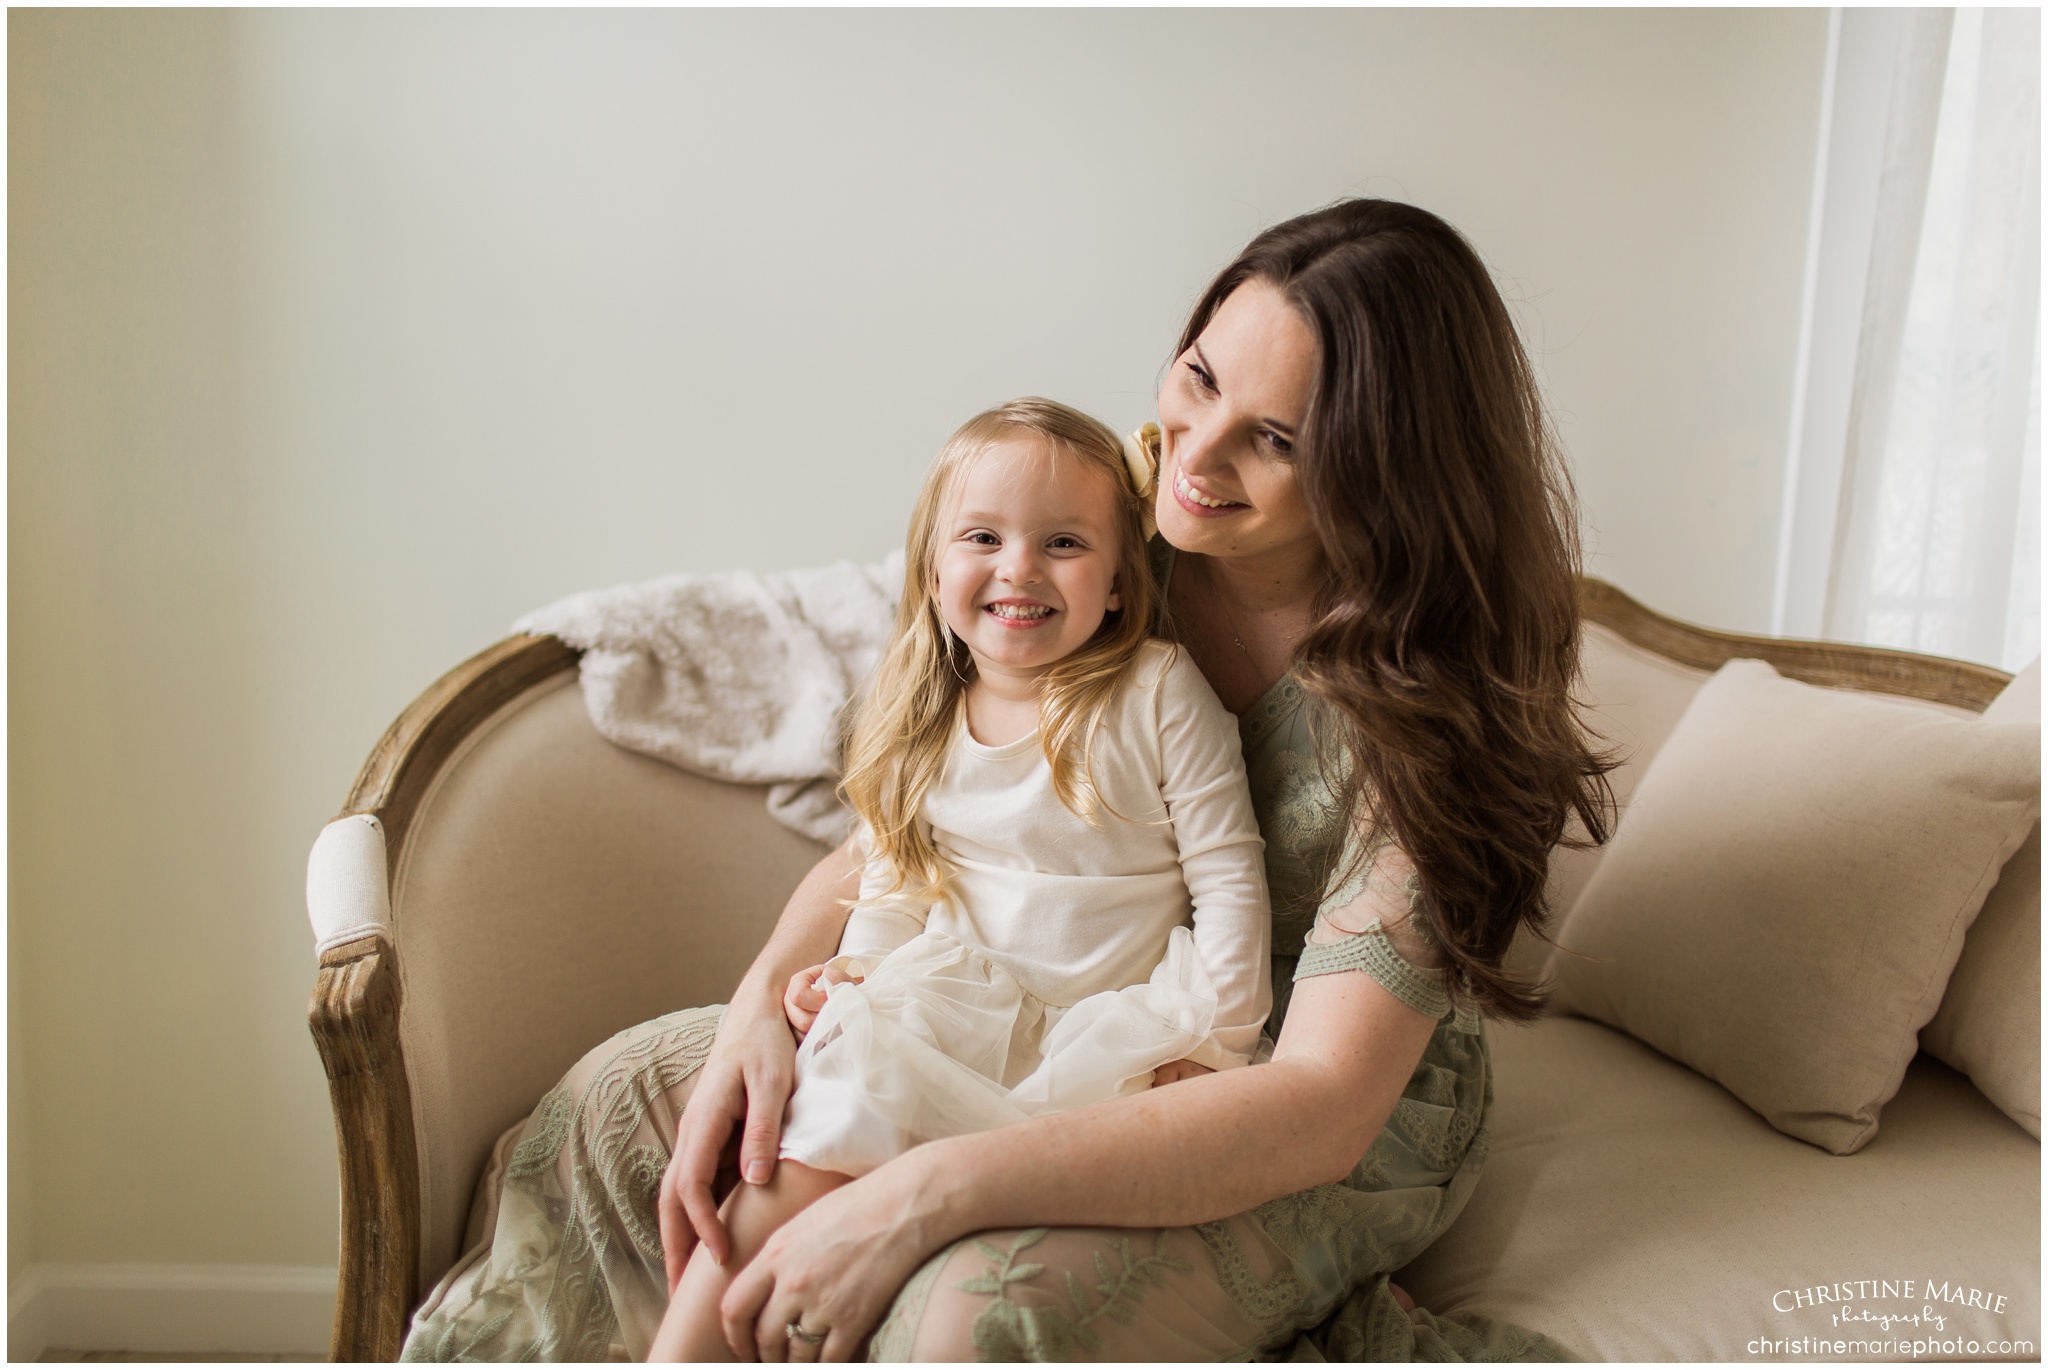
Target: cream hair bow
1141, 459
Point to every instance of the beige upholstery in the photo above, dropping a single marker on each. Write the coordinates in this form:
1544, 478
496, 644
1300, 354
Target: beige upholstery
1631, 699
1637, 1211
1989, 1026
1789, 892
558, 889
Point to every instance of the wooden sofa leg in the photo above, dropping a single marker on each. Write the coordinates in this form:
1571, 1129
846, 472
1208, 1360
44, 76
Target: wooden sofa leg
354, 1018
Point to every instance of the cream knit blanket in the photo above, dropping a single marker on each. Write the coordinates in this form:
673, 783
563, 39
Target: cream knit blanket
739, 675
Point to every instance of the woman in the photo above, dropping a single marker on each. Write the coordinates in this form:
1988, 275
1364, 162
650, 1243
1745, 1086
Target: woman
1369, 550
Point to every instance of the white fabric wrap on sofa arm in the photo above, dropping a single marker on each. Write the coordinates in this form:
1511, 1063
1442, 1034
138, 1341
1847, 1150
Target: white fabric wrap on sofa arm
347, 896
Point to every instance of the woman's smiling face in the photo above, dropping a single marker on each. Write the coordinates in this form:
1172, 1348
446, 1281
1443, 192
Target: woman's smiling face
1027, 570
1229, 415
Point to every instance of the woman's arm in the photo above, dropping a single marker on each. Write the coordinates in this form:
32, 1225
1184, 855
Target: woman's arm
1208, 1148
750, 1071
1198, 1150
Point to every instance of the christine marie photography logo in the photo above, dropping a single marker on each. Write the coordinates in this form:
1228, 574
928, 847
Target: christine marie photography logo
1895, 1319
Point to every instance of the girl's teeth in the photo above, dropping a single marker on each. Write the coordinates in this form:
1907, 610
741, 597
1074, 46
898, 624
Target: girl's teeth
1018, 611
1190, 492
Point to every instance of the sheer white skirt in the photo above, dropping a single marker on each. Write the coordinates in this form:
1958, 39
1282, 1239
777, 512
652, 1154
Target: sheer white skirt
939, 1041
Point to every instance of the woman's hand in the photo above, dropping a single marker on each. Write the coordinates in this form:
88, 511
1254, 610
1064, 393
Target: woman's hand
835, 1267
747, 1079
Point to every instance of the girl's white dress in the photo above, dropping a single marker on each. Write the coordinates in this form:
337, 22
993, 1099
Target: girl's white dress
1069, 960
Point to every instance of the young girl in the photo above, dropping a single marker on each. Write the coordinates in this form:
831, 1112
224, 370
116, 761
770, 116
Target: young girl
1048, 799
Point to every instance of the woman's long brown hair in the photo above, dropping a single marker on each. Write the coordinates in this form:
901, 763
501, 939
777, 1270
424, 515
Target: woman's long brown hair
1446, 642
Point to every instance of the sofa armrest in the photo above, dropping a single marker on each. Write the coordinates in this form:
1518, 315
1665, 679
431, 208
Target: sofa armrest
543, 890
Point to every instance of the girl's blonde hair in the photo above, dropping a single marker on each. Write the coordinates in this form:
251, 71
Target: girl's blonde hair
904, 726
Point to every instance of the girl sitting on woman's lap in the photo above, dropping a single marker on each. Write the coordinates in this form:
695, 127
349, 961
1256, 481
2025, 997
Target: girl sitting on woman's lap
1048, 797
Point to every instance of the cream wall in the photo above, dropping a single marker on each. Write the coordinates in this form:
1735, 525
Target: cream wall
338, 339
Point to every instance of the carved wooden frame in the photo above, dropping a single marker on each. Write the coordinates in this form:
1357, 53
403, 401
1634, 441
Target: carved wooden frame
1837, 665
354, 1014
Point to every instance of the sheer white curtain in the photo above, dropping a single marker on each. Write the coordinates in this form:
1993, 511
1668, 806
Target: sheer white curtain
1930, 459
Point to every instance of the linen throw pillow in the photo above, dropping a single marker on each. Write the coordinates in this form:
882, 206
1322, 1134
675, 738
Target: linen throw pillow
1789, 889
1989, 1024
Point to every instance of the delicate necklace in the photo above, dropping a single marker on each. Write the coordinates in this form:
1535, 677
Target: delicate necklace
1234, 637
1230, 619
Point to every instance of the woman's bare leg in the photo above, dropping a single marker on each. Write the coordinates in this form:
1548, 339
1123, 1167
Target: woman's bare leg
692, 1330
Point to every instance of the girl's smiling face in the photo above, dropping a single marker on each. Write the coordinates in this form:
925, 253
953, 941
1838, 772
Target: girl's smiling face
1027, 566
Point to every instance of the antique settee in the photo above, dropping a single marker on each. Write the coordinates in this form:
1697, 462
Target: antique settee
504, 889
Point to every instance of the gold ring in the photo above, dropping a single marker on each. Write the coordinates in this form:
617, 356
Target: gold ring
795, 1332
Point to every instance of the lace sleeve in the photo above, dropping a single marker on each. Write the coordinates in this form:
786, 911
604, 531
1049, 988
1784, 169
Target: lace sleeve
1334, 948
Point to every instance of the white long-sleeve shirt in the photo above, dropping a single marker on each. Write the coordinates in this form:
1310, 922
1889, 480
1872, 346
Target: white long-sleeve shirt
1073, 909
